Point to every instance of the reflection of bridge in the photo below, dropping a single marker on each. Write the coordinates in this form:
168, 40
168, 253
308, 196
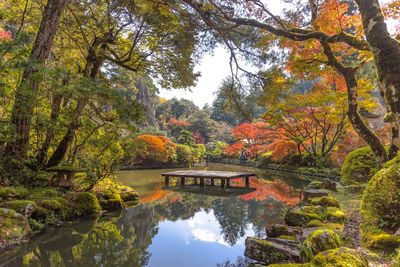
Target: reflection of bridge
223, 177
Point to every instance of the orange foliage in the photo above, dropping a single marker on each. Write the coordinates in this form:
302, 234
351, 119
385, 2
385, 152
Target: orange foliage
180, 123
157, 149
252, 136
5, 35
277, 189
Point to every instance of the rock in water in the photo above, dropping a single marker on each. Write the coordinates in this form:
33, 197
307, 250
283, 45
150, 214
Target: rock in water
272, 250
14, 228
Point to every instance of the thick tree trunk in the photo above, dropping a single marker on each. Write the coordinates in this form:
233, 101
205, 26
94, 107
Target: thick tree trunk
356, 120
63, 147
25, 99
386, 51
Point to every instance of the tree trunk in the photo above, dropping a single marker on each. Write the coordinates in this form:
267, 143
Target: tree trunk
386, 51
41, 157
63, 147
356, 120
25, 99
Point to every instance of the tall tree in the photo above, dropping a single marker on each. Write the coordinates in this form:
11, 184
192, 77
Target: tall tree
325, 35
26, 94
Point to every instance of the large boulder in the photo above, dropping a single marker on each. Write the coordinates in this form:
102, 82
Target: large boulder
14, 228
272, 250
317, 241
359, 166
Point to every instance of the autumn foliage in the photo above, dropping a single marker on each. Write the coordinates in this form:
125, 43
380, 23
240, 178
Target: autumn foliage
155, 149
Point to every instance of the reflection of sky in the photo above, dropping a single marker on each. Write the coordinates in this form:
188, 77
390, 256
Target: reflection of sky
194, 242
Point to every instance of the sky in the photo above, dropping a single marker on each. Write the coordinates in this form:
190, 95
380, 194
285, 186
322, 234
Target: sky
215, 67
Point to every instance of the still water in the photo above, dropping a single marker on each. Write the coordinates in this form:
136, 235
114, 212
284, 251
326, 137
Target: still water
196, 227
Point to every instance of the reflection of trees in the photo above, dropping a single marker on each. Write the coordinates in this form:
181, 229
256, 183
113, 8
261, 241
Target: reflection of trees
231, 214
123, 241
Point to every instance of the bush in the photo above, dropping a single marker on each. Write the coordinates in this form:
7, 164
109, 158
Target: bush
13, 192
183, 153
359, 166
380, 208
87, 204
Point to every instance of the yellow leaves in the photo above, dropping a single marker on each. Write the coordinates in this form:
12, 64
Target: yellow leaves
364, 90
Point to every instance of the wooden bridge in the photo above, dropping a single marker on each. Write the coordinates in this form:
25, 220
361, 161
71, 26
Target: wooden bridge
196, 176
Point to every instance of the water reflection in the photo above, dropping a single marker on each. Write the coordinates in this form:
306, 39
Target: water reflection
168, 228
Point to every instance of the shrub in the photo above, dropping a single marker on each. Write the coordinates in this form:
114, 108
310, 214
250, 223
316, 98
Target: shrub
13, 192
359, 166
183, 153
380, 208
87, 204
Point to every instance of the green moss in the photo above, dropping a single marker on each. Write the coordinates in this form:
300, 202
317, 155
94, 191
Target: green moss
86, 204
41, 193
325, 201
13, 192
335, 215
380, 205
287, 237
376, 238
337, 227
315, 223
340, 257
359, 166
380, 208
51, 204
298, 217
318, 241
129, 196
17, 205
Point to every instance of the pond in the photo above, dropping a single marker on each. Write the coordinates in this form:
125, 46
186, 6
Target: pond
198, 227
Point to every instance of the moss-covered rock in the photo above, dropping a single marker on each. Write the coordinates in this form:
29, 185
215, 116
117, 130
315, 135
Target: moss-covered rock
14, 228
129, 196
110, 199
315, 223
275, 230
25, 207
13, 192
298, 217
318, 241
41, 214
40, 193
86, 203
340, 257
272, 250
335, 215
325, 201
359, 166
